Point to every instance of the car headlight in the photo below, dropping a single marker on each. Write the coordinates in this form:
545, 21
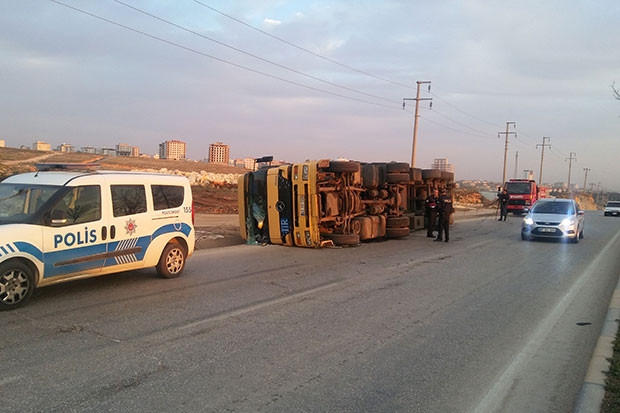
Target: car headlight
567, 222
528, 221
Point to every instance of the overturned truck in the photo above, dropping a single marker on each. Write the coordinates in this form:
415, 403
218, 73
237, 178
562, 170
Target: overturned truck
328, 202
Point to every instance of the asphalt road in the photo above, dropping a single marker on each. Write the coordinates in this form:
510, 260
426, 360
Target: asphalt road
484, 323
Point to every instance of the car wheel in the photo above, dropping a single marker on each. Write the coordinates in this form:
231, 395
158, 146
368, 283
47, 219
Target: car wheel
581, 234
575, 240
172, 260
16, 285
524, 237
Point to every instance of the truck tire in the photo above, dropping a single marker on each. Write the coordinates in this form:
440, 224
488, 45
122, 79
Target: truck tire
431, 174
342, 239
397, 178
16, 284
370, 176
343, 166
397, 222
397, 167
397, 232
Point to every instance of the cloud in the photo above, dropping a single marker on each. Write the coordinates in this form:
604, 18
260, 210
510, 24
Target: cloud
272, 22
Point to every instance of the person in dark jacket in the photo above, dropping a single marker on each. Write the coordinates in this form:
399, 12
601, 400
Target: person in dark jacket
503, 204
431, 212
444, 209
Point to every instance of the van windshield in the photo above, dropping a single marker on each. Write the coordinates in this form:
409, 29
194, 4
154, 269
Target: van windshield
20, 202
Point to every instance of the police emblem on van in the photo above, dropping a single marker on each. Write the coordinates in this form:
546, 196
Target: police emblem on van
130, 226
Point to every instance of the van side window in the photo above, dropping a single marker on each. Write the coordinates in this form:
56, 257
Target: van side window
128, 199
167, 196
81, 204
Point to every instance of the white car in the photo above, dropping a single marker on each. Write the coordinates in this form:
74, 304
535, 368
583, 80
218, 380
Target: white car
612, 208
554, 218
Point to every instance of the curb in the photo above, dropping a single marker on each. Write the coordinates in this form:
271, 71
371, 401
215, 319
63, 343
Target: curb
590, 397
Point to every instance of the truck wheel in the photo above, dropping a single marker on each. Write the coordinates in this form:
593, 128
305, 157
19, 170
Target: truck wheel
370, 176
397, 167
343, 166
397, 222
397, 178
431, 174
342, 239
16, 285
397, 232
172, 260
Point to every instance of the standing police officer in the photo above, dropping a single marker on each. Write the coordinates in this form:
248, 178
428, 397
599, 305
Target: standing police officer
444, 209
431, 212
503, 198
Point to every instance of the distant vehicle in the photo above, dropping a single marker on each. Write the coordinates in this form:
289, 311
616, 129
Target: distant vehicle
612, 208
554, 218
57, 226
522, 193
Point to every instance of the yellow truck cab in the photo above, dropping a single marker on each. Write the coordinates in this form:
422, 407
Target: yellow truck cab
64, 223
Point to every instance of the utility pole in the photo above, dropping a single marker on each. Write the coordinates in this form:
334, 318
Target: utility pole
585, 180
572, 156
542, 155
416, 116
506, 146
516, 163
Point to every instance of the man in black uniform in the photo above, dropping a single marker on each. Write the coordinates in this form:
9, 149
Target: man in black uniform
431, 212
503, 204
444, 209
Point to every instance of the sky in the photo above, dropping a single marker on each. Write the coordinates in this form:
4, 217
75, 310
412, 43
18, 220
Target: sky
324, 79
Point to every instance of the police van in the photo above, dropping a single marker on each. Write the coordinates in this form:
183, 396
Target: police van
72, 221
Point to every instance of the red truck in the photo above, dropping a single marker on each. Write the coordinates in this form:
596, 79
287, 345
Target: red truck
522, 195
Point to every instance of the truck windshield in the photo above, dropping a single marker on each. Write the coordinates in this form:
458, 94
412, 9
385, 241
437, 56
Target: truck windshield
20, 202
518, 187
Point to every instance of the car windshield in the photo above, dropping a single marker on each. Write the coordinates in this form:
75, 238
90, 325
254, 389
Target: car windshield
613, 204
562, 208
19, 202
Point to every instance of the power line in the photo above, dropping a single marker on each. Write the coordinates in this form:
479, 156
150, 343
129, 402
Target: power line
189, 49
303, 49
252, 55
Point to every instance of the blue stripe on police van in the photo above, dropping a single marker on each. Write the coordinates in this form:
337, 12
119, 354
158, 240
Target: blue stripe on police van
181, 227
29, 249
128, 244
4, 250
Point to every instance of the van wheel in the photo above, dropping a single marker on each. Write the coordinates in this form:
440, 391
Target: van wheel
16, 285
172, 260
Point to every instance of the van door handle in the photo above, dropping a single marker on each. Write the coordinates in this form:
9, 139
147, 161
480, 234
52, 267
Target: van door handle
112, 232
